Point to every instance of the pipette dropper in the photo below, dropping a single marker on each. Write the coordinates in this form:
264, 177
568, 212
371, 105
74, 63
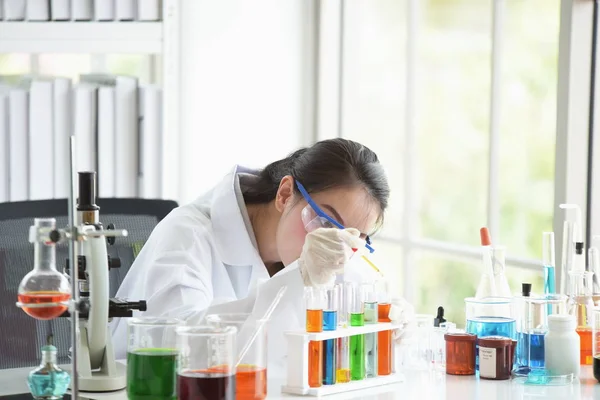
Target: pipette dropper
369, 262
487, 285
261, 324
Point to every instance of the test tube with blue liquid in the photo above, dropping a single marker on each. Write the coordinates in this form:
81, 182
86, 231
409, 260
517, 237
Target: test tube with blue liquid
370, 338
330, 323
549, 261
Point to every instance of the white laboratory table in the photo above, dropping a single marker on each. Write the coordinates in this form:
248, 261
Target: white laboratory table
422, 385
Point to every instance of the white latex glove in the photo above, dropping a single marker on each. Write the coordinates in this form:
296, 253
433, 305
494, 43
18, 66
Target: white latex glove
402, 314
325, 252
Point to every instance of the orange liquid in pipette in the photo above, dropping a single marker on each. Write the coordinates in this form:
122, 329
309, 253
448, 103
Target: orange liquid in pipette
44, 313
251, 382
384, 342
585, 339
314, 323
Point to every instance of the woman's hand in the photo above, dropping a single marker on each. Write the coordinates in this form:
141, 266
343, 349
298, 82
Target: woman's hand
325, 252
402, 314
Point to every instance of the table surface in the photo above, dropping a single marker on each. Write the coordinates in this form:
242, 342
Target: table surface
416, 385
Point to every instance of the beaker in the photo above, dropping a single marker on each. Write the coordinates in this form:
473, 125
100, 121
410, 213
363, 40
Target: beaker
532, 326
596, 341
438, 344
152, 358
44, 292
460, 353
207, 357
490, 316
251, 373
416, 351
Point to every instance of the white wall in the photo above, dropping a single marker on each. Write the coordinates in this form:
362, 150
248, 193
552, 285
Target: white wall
245, 86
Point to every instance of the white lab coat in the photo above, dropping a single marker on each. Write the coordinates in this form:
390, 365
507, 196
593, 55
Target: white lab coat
201, 259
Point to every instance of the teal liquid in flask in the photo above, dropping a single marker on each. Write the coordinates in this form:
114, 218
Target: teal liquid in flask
48, 381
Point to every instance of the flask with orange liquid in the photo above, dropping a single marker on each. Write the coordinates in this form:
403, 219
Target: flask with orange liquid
44, 292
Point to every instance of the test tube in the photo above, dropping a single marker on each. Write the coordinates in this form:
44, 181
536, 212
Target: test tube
343, 343
596, 342
370, 296
548, 256
357, 342
384, 338
330, 316
314, 299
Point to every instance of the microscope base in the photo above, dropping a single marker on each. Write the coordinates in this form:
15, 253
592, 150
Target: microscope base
100, 382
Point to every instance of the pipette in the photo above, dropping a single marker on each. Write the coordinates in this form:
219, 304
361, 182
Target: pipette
487, 284
261, 324
372, 265
369, 262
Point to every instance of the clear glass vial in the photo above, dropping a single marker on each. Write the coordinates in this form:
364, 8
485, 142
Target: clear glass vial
48, 381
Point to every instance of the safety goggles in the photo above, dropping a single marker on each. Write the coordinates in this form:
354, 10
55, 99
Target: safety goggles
313, 217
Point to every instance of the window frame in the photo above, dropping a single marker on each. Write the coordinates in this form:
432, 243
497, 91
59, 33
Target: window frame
571, 134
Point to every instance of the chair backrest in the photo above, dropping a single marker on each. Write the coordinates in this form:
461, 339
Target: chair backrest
22, 336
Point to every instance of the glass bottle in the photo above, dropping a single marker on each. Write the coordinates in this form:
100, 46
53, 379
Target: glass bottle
44, 292
582, 304
47, 381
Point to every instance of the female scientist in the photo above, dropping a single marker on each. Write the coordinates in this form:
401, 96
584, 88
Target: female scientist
232, 249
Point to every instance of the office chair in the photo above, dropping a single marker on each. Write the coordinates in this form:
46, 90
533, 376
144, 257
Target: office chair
21, 336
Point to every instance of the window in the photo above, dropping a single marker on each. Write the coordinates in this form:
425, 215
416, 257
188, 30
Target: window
458, 98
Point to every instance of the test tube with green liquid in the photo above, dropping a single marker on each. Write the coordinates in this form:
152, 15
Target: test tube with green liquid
370, 296
357, 342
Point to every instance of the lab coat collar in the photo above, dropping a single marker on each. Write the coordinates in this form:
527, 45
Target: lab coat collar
232, 239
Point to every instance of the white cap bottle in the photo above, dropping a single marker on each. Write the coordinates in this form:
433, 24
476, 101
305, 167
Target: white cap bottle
562, 346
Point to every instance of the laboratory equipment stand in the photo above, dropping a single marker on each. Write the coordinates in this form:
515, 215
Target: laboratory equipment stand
297, 370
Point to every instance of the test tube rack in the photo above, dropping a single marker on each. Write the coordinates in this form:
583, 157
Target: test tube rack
297, 356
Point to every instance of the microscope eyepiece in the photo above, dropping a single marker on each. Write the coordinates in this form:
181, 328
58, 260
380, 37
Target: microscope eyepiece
87, 192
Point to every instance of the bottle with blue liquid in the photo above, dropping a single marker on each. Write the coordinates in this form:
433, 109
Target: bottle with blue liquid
48, 381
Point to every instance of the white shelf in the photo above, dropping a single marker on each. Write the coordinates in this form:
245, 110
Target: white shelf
81, 37
343, 332
345, 387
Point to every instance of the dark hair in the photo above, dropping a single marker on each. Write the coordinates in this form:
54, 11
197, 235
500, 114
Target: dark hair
324, 165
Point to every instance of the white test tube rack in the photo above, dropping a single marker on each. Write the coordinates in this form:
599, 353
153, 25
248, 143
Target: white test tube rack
297, 357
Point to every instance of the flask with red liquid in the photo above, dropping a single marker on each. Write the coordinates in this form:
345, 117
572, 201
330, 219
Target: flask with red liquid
44, 292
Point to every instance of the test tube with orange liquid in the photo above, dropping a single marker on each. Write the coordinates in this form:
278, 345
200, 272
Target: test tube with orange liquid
384, 338
314, 299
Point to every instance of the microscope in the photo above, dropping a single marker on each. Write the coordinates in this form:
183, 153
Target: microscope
44, 293
97, 369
